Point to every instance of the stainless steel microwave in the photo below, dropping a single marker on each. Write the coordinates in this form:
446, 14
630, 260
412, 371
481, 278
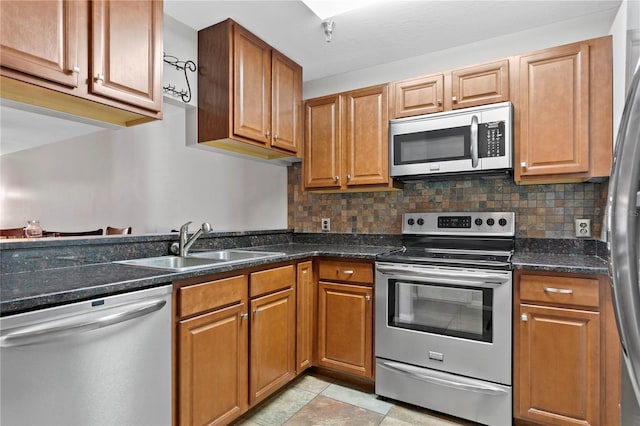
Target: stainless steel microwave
464, 141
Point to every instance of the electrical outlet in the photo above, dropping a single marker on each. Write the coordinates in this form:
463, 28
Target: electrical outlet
326, 224
583, 228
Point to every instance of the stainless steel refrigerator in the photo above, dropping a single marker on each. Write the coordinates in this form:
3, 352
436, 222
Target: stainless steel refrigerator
623, 241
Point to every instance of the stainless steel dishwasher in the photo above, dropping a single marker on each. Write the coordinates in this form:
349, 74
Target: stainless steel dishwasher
105, 361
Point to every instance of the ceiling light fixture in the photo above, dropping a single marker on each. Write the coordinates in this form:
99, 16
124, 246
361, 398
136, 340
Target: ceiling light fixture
327, 27
328, 8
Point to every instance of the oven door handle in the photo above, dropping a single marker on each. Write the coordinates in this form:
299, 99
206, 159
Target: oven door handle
457, 278
460, 383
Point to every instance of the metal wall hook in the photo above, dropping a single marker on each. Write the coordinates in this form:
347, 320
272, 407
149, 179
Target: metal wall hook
179, 65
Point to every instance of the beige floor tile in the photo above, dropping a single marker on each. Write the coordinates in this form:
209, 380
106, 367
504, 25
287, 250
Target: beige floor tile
323, 411
313, 383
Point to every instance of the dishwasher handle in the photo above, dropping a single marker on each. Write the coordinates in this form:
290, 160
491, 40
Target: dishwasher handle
44, 333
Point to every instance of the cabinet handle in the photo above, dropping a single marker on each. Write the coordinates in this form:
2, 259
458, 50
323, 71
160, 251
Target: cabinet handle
267, 135
439, 102
558, 290
100, 77
75, 70
336, 178
244, 316
367, 298
523, 164
346, 271
454, 99
256, 312
348, 178
524, 317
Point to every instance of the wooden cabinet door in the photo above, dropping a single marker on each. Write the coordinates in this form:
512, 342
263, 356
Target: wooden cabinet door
40, 38
213, 367
273, 336
251, 87
415, 96
558, 380
366, 136
286, 93
322, 142
480, 84
126, 40
345, 328
305, 316
553, 103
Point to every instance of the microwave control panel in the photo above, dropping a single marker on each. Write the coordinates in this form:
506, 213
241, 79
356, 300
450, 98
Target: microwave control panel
491, 139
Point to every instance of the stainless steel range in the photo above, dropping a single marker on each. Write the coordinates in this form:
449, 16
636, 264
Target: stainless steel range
444, 314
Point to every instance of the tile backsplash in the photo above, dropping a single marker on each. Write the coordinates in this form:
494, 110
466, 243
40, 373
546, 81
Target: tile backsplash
542, 211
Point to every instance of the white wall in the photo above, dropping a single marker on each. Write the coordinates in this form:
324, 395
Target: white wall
591, 26
143, 176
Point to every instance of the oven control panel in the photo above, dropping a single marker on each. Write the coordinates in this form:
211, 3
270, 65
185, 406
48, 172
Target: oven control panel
460, 223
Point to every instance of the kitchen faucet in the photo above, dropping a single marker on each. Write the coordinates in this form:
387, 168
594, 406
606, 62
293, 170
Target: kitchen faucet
184, 243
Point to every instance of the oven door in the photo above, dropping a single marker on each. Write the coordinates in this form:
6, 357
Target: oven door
451, 319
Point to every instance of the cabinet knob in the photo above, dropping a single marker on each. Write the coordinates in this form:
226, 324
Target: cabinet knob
336, 178
275, 137
244, 316
256, 312
75, 70
367, 298
439, 102
267, 135
100, 77
454, 99
523, 164
524, 317
348, 178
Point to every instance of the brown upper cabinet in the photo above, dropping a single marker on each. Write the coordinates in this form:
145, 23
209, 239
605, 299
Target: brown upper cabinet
563, 113
97, 59
460, 88
249, 94
347, 141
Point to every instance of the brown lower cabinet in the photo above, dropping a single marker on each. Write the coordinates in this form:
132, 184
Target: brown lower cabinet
243, 335
345, 317
235, 342
566, 350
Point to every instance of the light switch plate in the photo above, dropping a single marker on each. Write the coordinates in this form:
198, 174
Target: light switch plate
326, 224
583, 228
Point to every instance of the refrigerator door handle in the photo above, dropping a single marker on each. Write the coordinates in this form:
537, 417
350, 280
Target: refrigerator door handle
623, 229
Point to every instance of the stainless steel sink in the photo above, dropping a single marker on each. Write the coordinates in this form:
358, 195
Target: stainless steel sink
199, 260
172, 263
234, 255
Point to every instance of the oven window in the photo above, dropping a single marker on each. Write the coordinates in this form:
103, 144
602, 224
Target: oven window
433, 145
455, 311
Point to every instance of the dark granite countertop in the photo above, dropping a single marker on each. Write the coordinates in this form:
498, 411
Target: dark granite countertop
553, 262
30, 290
26, 291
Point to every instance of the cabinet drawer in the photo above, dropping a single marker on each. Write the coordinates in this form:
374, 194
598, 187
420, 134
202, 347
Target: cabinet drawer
271, 280
561, 290
346, 271
212, 294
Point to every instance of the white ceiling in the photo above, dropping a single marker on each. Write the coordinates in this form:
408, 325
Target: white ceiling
381, 33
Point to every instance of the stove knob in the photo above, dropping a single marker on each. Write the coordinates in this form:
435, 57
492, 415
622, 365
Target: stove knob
410, 222
420, 221
478, 221
491, 222
502, 222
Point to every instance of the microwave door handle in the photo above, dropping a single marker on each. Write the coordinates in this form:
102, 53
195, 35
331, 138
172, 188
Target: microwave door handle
474, 141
